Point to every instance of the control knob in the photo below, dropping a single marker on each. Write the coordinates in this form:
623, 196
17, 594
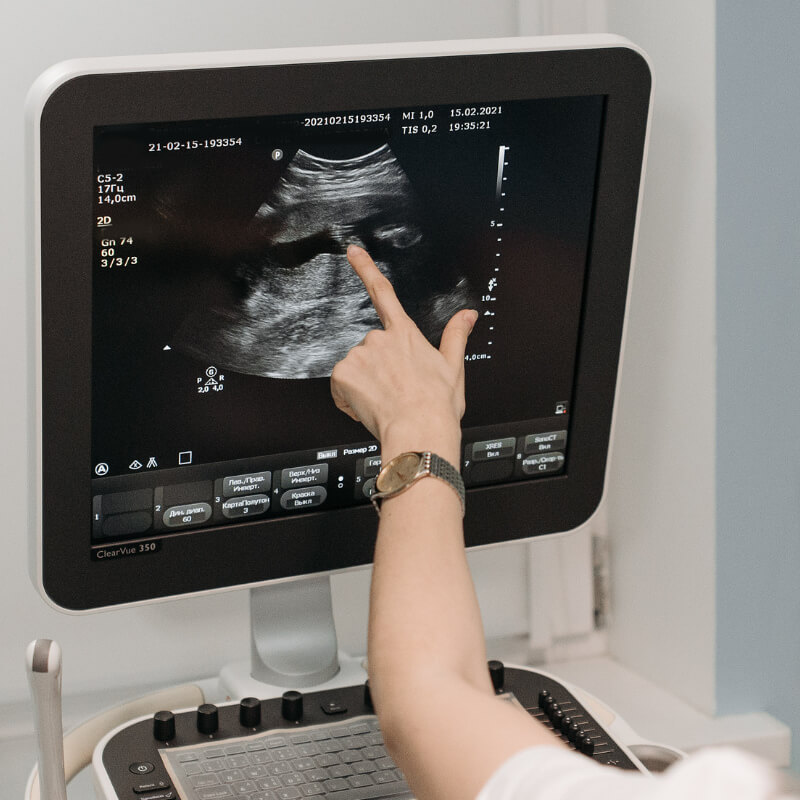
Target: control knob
163, 726
292, 706
250, 712
497, 672
207, 718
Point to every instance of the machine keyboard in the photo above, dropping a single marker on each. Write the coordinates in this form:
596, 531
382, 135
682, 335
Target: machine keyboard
344, 760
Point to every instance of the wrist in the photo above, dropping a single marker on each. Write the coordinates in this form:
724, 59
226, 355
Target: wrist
442, 437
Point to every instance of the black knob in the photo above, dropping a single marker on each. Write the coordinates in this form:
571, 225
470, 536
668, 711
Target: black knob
497, 672
367, 695
292, 706
565, 723
586, 745
544, 698
164, 726
250, 712
207, 718
551, 708
557, 717
574, 732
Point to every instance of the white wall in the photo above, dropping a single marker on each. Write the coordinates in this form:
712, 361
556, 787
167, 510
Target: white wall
660, 499
661, 495
176, 640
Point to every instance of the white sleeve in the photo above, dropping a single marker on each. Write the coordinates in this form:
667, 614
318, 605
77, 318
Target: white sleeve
549, 773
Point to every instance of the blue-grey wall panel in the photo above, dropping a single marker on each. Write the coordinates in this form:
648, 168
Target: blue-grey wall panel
758, 380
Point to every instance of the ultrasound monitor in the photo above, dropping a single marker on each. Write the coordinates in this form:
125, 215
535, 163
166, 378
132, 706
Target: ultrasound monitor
190, 220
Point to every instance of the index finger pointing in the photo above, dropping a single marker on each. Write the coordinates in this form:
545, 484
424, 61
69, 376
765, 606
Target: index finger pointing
378, 286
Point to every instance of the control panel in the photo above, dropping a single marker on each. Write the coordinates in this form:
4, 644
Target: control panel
317, 744
196, 496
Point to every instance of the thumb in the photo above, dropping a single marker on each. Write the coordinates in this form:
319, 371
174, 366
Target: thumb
455, 335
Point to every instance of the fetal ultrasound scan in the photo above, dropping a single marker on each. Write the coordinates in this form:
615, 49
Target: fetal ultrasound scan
299, 307
223, 297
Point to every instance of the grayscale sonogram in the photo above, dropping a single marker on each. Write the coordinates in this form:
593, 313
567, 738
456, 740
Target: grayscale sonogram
298, 307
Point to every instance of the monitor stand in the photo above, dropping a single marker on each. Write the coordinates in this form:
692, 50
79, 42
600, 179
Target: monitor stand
292, 643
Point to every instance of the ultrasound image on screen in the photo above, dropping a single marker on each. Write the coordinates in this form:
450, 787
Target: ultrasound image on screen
299, 307
222, 297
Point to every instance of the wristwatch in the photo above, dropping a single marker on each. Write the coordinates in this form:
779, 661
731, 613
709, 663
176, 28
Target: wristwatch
405, 470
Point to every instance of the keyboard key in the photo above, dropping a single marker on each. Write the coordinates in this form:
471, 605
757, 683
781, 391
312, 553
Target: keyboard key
216, 765
285, 754
289, 793
384, 776
358, 728
234, 749
319, 735
357, 741
336, 785
214, 793
192, 768
326, 760
255, 772
349, 756
213, 752
237, 761
330, 747
307, 749
385, 763
243, 787
302, 764
276, 741
184, 757
300, 738
317, 775
375, 739
364, 767
279, 769
311, 789
340, 771
253, 746
270, 782
202, 781
261, 758
374, 752
357, 781
292, 779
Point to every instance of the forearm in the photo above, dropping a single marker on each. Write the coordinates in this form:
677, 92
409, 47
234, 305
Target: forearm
425, 623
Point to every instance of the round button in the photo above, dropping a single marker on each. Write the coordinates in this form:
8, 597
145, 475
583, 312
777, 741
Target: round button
544, 698
552, 708
141, 767
207, 718
250, 712
292, 706
163, 726
497, 672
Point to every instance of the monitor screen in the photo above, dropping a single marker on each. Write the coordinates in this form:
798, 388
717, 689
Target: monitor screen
211, 298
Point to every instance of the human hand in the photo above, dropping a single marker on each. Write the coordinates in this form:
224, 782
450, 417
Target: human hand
408, 394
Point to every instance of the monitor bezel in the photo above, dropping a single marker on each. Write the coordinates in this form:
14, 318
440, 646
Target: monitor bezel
334, 540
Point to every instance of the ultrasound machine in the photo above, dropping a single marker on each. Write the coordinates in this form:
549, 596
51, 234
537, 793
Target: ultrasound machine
189, 219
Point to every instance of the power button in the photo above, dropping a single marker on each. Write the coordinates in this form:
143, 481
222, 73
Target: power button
141, 767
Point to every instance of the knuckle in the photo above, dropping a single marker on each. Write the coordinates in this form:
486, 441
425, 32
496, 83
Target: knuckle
373, 337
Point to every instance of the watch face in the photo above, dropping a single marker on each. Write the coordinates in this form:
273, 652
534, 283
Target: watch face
399, 471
